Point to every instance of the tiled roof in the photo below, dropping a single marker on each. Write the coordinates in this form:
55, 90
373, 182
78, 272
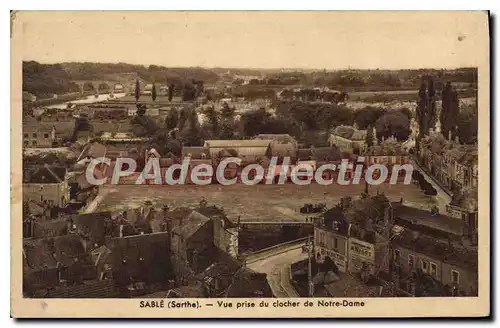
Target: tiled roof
248, 283
44, 174
193, 222
421, 243
93, 225
88, 289
50, 228
236, 143
426, 218
326, 154
281, 138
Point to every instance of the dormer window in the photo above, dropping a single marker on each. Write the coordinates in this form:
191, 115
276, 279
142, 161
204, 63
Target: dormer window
203, 155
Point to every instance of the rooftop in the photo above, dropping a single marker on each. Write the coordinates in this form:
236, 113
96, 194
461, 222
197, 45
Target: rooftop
426, 218
44, 174
445, 252
236, 143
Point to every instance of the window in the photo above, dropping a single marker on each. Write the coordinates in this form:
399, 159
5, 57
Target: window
322, 238
425, 266
46, 135
26, 135
335, 243
41, 198
34, 143
397, 255
411, 260
455, 276
433, 269
26, 143
34, 134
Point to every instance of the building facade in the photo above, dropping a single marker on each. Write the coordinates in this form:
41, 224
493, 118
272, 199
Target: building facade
38, 136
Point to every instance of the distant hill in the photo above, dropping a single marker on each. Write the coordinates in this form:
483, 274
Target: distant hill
45, 79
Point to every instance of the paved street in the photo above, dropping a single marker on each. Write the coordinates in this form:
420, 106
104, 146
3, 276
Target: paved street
277, 268
442, 197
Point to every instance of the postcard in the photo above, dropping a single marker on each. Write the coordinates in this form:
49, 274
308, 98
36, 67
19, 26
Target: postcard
315, 164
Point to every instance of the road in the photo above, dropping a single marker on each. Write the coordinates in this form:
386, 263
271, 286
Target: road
442, 197
277, 268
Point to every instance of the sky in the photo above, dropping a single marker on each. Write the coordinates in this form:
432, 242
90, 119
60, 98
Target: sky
309, 40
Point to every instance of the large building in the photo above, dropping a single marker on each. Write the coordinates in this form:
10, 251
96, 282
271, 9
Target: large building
45, 186
38, 136
454, 165
347, 138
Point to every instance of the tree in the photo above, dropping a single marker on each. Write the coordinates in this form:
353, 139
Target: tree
431, 106
137, 90
369, 136
367, 116
467, 126
450, 110
170, 92
394, 124
421, 111
189, 92
153, 92
211, 125
227, 122
172, 119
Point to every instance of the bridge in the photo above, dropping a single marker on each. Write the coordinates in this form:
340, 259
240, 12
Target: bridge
96, 84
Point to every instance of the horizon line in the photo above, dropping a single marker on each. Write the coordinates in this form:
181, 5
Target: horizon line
259, 68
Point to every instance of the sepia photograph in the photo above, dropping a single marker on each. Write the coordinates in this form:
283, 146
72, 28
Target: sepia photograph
250, 164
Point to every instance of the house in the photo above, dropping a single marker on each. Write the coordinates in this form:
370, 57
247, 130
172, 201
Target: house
411, 216
416, 255
50, 228
49, 262
131, 111
282, 145
93, 227
46, 185
331, 238
38, 136
218, 276
153, 111
247, 283
119, 88
192, 245
141, 259
370, 222
225, 232
248, 150
348, 138
464, 206
455, 166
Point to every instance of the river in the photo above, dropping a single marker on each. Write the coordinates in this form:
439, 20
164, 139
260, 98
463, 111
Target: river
88, 100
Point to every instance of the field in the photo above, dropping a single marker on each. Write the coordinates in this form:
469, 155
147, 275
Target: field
253, 203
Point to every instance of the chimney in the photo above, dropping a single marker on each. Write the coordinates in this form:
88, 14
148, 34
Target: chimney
239, 221
457, 140
120, 234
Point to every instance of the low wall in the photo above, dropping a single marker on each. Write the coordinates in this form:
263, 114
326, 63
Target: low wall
258, 236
